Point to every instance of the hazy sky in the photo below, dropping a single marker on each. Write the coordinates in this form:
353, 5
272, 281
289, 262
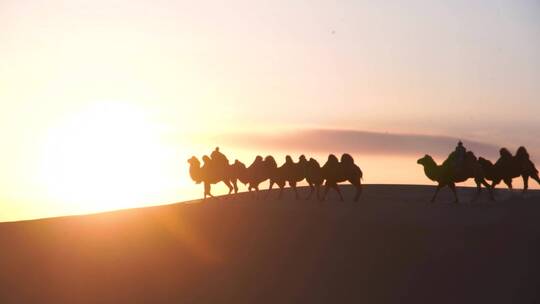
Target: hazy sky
103, 97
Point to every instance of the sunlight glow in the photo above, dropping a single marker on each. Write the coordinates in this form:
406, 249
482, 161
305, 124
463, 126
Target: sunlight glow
105, 157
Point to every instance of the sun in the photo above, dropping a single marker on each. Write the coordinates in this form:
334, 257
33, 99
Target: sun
104, 157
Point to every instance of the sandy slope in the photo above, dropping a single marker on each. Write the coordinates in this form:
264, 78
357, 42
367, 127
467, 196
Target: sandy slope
392, 247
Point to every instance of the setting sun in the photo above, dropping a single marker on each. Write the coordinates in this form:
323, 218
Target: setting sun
106, 156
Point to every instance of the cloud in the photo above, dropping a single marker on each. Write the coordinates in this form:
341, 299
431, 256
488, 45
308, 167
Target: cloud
361, 142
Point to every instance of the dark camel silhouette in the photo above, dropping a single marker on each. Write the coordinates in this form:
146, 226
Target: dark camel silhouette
255, 174
209, 174
294, 173
290, 172
335, 172
313, 174
448, 175
238, 172
509, 167
277, 175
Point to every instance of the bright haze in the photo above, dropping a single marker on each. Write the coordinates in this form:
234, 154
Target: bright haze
103, 102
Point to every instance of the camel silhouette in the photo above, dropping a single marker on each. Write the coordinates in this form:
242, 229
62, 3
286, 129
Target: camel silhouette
209, 174
276, 174
255, 174
448, 175
313, 174
509, 167
335, 172
238, 172
294, 173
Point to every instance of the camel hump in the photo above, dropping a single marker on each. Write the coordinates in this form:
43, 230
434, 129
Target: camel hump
522, 153
470, 156
269, 160
347, 159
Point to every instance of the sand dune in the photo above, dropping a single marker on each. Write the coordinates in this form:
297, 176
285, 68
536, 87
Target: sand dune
392, 247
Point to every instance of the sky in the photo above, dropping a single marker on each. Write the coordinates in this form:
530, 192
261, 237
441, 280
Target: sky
104, 101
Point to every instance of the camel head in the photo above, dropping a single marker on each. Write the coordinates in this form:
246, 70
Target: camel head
426, 161
195, 169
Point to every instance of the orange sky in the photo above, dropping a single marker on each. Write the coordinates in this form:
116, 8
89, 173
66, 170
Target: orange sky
104, 101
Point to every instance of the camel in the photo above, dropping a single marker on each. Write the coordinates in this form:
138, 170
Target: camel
294, 173
238, 172
313, 174
509, 167
335, 171
447, 175
209, 174
276, 174
255, 174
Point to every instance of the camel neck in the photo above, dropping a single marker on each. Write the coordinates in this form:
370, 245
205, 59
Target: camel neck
432, 171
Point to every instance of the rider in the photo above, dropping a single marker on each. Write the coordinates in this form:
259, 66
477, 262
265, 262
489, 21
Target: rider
218, 157
459, 155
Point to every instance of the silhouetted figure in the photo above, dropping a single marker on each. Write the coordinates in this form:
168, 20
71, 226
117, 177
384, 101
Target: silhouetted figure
208, 174
293, 173
313, 174
238, 172
219, 157
446, 175
509, 167
276, 174
459, 155
335, 172
256, 173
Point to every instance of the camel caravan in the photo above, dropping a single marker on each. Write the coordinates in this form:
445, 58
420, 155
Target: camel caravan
216, 169
462, 165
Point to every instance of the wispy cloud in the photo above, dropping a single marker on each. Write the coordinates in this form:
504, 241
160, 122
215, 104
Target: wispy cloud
327, 141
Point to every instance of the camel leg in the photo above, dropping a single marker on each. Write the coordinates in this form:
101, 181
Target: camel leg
235, 185
536, 178
439, 186
293, 186
257, 192
358, 186
453, 188
270, 188
207, 190
311, 190
525, 183
335, 186
495, 183
490, 190
229, 185
508, 183
281, 187
326, 188
478, 190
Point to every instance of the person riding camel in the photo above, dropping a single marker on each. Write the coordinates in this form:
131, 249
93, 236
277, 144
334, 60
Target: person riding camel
219, 158
459, 155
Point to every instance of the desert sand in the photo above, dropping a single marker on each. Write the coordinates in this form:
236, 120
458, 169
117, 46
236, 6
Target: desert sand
391, 247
